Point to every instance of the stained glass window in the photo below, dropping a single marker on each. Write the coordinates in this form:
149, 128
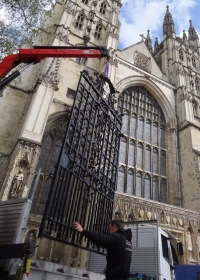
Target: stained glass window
155, 161
121, 177
163, 191
130, 179
155, 188
133, 126
122, 151
139, 155
131, 153
144, 129
163, 163
125, 123
140, 128
148, 131
138, 190
147, 186
79, 21
103, 8
97, 33
147, 158
50, 150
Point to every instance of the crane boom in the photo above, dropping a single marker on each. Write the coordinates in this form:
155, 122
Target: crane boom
38, 53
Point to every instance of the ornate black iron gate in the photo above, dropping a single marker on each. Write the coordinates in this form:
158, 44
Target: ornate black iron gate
84, 182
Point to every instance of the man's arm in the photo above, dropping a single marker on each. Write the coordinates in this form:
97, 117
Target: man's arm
102, 240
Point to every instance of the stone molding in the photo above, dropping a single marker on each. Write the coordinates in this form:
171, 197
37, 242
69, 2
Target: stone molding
146, 74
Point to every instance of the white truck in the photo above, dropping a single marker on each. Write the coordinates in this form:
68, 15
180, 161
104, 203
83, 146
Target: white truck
151, 256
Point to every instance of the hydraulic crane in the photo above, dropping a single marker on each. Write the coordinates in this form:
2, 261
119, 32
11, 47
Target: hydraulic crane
38, 53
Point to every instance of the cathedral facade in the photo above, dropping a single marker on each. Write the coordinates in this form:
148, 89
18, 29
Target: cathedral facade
158, 94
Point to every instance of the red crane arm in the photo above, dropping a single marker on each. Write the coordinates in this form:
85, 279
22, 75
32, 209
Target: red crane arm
37, 54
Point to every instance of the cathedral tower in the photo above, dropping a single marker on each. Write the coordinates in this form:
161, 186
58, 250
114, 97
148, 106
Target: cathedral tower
179, 60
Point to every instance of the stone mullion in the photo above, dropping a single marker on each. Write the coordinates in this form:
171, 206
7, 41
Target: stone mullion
136, 143
127, 150
130, 115
144, 139
135, 154
151, 145
159, 157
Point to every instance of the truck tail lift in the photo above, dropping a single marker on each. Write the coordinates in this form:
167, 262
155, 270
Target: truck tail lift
38, 53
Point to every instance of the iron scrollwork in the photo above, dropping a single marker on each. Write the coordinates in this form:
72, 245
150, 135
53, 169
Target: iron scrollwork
84, 182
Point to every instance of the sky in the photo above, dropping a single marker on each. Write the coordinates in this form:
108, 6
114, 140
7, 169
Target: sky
137, 16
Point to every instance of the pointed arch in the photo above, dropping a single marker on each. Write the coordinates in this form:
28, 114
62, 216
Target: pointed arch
144, 131
155, 91
103, 7
79, 21
51, 145
98, 31
181, 57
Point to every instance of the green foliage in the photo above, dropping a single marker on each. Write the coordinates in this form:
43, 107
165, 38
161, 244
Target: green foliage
19, 23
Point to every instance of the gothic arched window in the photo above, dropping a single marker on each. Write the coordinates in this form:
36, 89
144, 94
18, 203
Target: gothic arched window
79, 21
147, 186
181, 54
98, 30
121, 179
122, 155
103, 8
131, 153
142, 148
193, 61
138, 189
130, 183
155, 188
51, 146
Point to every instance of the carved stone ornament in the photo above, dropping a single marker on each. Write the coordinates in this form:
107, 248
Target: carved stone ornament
141, 212
180, 221
149, 215
167, 219
174, 220
51, 75
142, 61
17, 184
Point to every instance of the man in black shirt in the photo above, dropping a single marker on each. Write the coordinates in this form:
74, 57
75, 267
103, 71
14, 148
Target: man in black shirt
118, 245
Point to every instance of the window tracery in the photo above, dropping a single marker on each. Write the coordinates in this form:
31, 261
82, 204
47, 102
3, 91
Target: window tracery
50, 150
181, 54
79, 21
193, 61
103, 8
98, 30
142, 148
